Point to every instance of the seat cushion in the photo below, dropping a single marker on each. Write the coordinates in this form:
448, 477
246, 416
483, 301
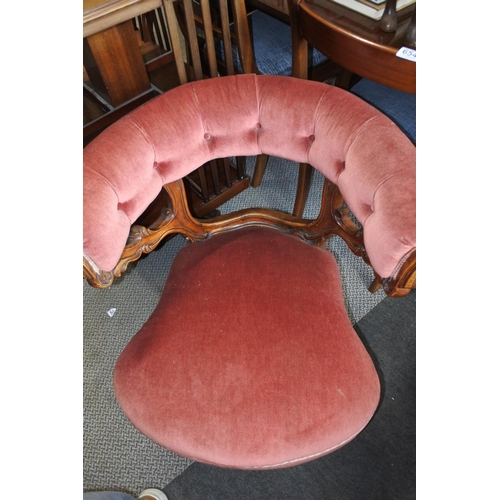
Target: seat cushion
399, 106
249, 359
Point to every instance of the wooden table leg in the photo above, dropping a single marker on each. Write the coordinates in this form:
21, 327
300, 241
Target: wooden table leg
114, 64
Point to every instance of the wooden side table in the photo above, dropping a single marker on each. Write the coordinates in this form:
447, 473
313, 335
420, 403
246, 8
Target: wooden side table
370, 45
113, 59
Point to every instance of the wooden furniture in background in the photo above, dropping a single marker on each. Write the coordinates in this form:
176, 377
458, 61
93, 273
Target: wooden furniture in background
116, 78
362, 49
410, 39
371, 51
389, 20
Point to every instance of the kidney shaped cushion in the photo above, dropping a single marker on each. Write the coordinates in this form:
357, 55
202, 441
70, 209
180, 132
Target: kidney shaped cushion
249, 359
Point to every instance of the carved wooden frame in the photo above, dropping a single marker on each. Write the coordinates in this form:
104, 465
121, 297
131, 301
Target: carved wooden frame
334, 218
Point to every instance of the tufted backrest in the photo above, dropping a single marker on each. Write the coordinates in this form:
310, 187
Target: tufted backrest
350, 142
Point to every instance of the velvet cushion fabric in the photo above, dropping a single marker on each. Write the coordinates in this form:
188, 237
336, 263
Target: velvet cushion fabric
349, 141
249, 360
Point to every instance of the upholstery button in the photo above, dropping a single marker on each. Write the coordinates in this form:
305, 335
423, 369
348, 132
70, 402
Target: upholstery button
312, 138
258, 126
207, 136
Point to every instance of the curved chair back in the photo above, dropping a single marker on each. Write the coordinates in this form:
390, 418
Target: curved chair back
358, 150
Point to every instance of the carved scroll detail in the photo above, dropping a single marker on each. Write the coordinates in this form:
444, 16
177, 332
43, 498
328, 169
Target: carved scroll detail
96, 277
143, 240
404, 278
334, 218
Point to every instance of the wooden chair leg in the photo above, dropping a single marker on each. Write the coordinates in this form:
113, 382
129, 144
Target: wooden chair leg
260, 168
303, 185
305, 172
304, 182
375, 285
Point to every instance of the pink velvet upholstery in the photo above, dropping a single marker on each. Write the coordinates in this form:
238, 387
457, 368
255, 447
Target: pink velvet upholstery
249, 359
350, 142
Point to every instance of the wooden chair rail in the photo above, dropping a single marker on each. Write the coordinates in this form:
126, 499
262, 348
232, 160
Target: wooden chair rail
334, 219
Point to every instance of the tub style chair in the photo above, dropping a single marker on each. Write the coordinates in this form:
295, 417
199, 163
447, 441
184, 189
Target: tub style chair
249, 360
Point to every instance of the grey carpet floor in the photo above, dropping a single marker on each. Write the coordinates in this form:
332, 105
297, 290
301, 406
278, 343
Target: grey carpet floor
115, 455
